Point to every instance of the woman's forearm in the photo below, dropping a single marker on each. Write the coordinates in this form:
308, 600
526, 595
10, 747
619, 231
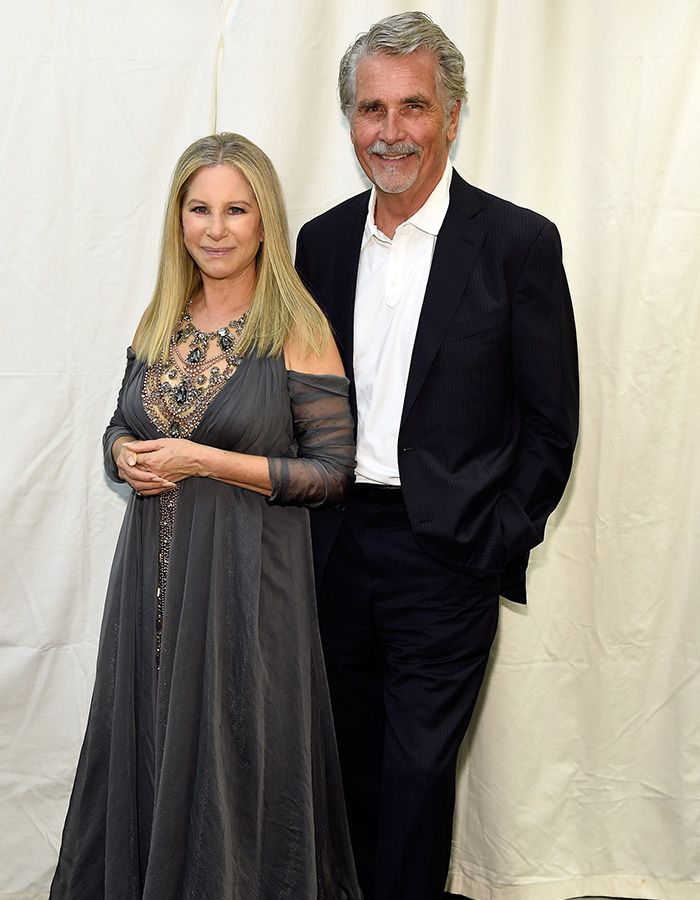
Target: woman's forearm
175, 459
240, 469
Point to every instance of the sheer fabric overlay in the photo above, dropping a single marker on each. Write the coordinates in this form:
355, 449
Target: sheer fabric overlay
322, 472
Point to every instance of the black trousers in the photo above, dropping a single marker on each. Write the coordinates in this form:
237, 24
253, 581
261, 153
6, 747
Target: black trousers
406, 642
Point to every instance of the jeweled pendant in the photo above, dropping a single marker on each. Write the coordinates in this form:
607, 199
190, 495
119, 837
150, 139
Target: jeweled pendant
199, 339
195, 356
225, 341
180, 394
174, 430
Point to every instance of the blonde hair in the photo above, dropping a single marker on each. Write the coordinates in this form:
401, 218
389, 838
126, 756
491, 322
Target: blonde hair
281, 306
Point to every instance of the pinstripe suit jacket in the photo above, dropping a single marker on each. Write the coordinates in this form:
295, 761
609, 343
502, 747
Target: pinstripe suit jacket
490, 415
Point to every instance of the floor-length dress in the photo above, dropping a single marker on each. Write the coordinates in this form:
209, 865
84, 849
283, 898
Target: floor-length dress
211, 774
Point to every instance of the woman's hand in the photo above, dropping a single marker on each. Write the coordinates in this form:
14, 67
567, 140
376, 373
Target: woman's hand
158, 465
153, 467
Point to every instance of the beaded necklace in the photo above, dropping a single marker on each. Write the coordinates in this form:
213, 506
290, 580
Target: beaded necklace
177, 391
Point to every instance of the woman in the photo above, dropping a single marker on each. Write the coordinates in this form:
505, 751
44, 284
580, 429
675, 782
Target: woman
209, 769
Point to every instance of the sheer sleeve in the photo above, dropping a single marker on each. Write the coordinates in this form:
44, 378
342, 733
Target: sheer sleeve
117, 425
322, 471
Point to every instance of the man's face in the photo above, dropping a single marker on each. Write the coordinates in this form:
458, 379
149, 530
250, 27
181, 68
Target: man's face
398, 127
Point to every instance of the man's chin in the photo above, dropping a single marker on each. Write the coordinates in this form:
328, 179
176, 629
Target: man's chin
393, 182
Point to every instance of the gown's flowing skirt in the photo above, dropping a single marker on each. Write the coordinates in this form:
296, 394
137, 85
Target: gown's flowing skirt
214, 775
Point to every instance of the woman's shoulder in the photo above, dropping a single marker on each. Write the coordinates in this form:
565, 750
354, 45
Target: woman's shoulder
300, 357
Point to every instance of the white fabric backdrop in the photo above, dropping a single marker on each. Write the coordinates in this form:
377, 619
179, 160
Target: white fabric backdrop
583, 773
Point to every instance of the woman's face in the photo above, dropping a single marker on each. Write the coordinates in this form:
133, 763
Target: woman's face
221, 225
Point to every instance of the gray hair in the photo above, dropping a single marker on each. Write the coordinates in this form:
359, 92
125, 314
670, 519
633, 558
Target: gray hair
398, 36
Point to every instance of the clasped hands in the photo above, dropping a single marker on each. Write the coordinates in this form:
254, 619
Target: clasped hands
154, 467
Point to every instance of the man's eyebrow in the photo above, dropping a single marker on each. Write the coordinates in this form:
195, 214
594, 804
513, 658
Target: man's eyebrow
416, 98
366, 104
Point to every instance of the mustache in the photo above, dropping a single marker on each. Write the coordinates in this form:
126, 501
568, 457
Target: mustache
399, 148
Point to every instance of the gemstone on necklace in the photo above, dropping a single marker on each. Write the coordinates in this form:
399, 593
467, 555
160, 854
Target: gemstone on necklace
172, 373
201, 379
174, 430
195, 356
225, 341
180, 394
214, 371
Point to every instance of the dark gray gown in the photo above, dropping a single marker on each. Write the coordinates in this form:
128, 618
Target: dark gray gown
214, 775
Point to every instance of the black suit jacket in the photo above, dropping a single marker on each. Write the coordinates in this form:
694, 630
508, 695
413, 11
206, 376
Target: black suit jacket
490, 414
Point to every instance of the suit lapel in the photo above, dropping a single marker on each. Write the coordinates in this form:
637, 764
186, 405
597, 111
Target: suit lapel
347, 260
457, 248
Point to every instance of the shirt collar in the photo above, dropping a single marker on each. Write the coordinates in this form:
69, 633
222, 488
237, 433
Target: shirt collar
428, 218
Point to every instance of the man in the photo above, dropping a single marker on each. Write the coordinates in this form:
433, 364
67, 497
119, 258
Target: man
454, 320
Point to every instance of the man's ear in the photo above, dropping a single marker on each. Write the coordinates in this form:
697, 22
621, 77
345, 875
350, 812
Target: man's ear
453, 123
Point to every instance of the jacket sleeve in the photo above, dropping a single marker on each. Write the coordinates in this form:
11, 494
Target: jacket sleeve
117, 424
322, 471
545, 377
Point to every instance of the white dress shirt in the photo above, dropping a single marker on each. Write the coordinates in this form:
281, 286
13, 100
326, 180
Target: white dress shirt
391, 281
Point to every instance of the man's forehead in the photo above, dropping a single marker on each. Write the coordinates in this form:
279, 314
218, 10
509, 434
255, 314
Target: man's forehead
404, 78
